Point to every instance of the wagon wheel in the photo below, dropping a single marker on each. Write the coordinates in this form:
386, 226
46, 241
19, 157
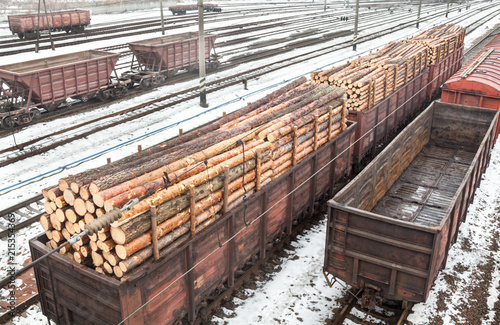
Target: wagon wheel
86, 97
123, 91
192, 68
8, 122
52, 106
145, 83
130, 85
155, 81
35, 114
103, 96
20, 35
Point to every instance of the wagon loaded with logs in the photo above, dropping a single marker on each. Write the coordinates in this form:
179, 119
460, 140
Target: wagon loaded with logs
157, 59
47, 83
388, 87
194, 193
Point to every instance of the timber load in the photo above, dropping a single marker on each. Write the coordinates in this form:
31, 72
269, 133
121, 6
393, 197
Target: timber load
371, 78
186, 183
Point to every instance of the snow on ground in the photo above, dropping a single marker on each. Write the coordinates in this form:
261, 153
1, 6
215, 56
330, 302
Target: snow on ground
298, 293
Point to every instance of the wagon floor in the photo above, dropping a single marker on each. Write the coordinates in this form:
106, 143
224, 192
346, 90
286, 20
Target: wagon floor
425, 189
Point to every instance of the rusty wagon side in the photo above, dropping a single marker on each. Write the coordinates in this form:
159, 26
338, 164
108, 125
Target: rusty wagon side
49, 82
74, 294
377, 124
478, 82
390, 229
157, 59
70, 21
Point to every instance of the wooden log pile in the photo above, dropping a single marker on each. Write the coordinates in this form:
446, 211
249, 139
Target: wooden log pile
440, 41
184, 184
373, 77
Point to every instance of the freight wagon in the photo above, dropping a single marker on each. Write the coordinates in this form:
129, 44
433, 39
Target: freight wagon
182, 9
71, 293
377, 124
478, 82
390, 229
157, 59
46, 83
26, 26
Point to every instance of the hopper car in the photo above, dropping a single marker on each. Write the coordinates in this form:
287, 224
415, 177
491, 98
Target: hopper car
478, 82
390, 229
27, 25
72, 293
28, 87
183, 9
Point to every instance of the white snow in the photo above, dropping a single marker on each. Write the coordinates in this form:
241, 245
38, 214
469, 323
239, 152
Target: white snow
296, 295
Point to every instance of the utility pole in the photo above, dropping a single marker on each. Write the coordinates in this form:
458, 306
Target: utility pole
325, 5
447, 8
355, 40
201, 55
418, 15
162, 23
467, 6
37, 45
48, 25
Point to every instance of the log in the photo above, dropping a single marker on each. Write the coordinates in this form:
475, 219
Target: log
127, 230
141, 188
182, 187
123, 251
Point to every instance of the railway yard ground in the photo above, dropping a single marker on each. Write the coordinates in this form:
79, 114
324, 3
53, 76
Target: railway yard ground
290, 288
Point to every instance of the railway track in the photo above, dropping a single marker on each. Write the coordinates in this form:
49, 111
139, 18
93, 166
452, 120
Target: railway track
323, 31
187, 94
148, 26
35, 202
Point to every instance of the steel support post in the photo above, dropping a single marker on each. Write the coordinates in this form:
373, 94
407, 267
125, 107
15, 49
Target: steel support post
201, 55
447, 8
48, 25
355, 40
419, 10
162, 22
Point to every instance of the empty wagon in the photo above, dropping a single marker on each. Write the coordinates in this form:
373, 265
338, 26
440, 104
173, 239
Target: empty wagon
26, 26
390, 229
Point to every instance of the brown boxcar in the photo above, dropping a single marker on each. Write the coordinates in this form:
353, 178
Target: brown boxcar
161, 57
478, 82
69, 21
71, 293
390, 229
49, 82
411, 98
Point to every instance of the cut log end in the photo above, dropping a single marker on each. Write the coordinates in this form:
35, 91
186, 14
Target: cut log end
118, 235
80, 207
118, 272
121, 252
98, 200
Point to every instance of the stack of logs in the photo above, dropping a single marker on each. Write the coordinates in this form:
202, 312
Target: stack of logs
185, 183
440, 41
373, 77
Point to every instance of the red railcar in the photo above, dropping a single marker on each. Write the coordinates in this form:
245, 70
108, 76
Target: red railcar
48, 82
159, 58
390, 229
478, 82
69, 21
71, 293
